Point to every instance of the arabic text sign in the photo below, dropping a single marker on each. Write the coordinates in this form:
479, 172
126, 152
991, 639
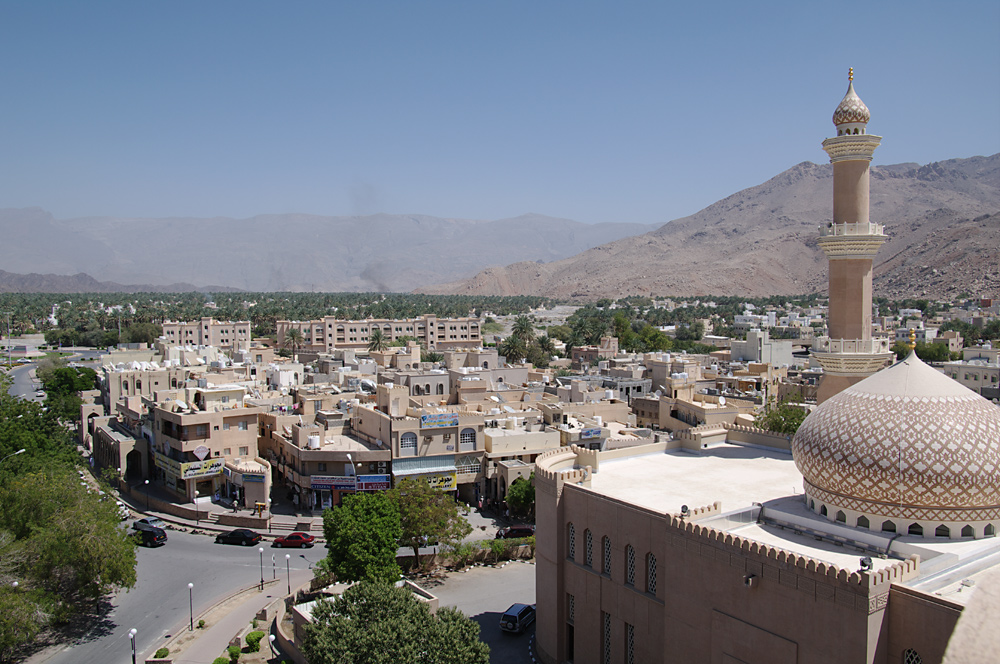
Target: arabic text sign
439, 420
373, 482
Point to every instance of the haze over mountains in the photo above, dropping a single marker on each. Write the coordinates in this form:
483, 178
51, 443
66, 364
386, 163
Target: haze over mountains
294, 252
942, 220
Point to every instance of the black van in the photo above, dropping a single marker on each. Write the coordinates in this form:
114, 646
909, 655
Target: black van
515, 532
151, 536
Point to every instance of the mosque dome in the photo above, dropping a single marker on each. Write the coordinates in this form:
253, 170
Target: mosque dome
851, 109
908, 448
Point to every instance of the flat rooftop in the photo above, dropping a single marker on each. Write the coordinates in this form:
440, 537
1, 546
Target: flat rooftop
735, 475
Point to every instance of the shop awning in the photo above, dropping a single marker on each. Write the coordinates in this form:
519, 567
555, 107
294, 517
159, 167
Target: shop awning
423, 465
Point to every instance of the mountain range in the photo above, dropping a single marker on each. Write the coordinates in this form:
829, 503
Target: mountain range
942, 221
287, 252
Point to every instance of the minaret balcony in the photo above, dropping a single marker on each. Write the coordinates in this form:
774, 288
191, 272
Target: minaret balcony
859, 228
852, 357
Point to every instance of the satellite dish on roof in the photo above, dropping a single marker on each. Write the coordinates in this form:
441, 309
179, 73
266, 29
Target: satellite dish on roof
722, 401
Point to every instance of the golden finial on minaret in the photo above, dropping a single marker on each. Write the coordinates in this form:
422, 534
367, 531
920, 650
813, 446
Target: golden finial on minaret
913, 339
850, 73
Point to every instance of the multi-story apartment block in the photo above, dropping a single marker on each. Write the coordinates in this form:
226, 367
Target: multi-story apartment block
331, 333
209, 332
201, 432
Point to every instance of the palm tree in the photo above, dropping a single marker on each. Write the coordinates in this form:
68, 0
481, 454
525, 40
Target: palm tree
293, 338
513, 348
377, 341
546, 344
524, 329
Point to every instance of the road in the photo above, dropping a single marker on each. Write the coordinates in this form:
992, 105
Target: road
483, 594
24, 383
158, 605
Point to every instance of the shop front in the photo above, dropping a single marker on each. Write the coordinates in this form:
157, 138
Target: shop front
440, 471
329, 490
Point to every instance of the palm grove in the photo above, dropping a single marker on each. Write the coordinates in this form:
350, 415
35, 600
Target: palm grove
62, 550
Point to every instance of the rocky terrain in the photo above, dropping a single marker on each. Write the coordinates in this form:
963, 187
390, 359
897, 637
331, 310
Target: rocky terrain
942, 220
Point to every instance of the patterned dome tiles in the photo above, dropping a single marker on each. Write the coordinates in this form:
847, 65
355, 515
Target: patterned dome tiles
878, 441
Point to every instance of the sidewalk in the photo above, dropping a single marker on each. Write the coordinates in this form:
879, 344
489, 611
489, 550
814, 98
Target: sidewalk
212, 642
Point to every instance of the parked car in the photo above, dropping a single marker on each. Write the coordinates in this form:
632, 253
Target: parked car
515, 532
123, 510
240, 536
300, 540
39, 393
517, 618
148, 522
150, 537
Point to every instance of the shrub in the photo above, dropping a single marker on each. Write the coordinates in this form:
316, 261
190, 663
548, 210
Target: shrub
253, 640
234, 654
161, 653
201, 624
220, 660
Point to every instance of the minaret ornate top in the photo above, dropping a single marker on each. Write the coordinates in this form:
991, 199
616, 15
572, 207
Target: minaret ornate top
850, 242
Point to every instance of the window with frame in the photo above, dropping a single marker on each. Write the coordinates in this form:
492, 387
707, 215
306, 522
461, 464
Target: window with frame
469, 464
588, 548
571, 541
629, 644
629, 565
408, 444
243, 425
910, 656
570, 608
606, 555
651, 574
466, 439
244, 451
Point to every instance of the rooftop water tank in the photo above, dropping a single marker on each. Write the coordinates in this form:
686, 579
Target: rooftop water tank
314, 442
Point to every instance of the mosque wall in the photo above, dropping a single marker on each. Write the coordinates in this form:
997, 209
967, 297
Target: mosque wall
921, 623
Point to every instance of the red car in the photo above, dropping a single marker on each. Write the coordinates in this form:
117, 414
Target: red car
301, 540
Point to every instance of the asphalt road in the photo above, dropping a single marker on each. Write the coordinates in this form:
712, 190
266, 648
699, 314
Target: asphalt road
24, 385
483, 594
158, 605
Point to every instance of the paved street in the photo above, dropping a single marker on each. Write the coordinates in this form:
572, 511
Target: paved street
158, 605
24, 383
483, 594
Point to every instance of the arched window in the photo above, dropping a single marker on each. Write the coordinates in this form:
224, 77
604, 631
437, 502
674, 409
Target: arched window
915, 529
467, 440
629, 565
888, 527
588, 548
812, 504
650, 574
989, 531
138, 387
862, 522
440, 388
486, 365
571, 541
968, 532
822, 510
408, 444
606, 555
910, 656
942, 531
841, 517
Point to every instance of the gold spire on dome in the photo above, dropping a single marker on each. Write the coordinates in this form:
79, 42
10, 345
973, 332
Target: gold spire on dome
913, 339
850, 74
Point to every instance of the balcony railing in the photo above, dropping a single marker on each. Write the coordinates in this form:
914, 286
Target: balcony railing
857, 228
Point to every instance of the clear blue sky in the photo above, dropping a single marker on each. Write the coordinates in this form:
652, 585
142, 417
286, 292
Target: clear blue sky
609, 111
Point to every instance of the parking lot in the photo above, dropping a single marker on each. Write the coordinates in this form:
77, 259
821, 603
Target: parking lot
483, 594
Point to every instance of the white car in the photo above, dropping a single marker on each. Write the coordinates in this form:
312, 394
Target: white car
39, 393
123, 510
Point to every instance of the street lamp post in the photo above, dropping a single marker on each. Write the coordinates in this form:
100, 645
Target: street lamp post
197, 515
261, 550
191, 605
147, 494
20, 451
274, 568
131, 636
270, 639
288, 573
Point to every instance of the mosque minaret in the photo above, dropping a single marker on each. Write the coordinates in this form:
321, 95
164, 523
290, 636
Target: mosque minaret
850, 354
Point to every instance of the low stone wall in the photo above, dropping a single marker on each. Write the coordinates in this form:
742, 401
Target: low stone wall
141, 499
238, 521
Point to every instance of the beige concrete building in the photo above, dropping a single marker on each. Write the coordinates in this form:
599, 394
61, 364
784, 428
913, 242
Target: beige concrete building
331, 333
850, 353
229, 335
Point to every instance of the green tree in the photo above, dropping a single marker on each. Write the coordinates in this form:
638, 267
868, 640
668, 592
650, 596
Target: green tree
377, 341
362, 536
521, 495
427, 515
524, 329
293, 339
781, 417
928, 352
513, 348
376, 623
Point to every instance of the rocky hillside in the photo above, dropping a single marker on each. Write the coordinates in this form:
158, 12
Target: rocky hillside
941, 218
84, 283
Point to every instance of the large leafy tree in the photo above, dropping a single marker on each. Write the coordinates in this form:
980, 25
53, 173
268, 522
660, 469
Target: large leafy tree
362, 536
523, 329
428, 515
521, 495
781, 417
62, 384
377, 341
377, 623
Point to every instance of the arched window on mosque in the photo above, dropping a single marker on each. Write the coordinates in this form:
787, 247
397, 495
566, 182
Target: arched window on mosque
822, 510
942, 531
888, 527
990, 531
910, 656
915, 529
841, 517
967, 531
862, 522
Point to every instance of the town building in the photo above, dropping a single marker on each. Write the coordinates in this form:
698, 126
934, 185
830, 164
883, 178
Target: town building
229, 335
436, 334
